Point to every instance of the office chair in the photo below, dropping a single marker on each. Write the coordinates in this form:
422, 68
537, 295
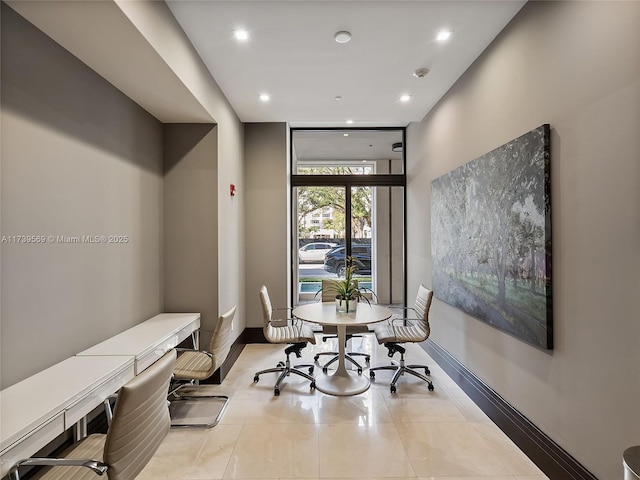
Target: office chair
193, 408
139, 424
403, 330
292, 331
332, 332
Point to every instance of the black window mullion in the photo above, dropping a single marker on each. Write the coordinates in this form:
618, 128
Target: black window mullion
395, 180
347, 222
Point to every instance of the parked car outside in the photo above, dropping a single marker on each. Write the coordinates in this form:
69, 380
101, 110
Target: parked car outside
334, 261
314, 252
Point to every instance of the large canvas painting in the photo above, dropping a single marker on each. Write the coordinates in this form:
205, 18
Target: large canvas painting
491, 238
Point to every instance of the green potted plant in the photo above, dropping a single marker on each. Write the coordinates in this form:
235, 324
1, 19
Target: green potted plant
347, 291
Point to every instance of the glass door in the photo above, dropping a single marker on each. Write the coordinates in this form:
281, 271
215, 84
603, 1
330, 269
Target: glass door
348, 201
320, 225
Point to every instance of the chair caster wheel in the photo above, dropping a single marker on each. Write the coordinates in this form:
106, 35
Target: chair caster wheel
310, 370
430, 387
255, 379
280, 364
313, 385
367, 359
427, 371
372, 375
316, 358
276, 392
359, 371
393, 389
325, 369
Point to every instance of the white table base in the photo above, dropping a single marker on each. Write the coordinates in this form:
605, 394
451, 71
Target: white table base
349, 383
342, 382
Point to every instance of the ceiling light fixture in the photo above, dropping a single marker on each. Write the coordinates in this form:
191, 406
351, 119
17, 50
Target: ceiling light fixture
421, 72
345, 134
337, 98
241, 35
397, 147
342, 37
443, 35
405, 97
349, 122
263, 97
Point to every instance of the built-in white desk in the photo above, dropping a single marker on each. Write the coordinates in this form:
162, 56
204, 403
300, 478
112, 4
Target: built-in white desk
149, 340
36, 410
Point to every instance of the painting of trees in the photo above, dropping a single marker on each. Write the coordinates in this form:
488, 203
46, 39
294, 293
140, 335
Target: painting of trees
491, 237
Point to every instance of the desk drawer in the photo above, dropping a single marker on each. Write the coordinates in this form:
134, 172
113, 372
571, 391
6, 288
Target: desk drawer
186, 332
31, 443
95, 397
147, 359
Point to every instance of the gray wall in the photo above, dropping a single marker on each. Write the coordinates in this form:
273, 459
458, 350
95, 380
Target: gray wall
191, 222
575, 65
267, 213
78, 158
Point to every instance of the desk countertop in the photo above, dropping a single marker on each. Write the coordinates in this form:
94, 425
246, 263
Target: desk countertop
143, 336
33, 401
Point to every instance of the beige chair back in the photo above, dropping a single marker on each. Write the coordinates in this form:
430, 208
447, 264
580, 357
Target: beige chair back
423, 302
221, 339
421, 330
328, 293
267, 309
140, 420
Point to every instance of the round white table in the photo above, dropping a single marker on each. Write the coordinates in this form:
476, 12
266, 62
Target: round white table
341, 382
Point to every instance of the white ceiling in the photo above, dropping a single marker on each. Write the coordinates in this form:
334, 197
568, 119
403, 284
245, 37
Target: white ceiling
292, 55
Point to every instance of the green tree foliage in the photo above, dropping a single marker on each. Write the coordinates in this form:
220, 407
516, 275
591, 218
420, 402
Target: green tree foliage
311, 199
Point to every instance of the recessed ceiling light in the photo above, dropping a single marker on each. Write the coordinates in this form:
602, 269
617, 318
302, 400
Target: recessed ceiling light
443, 35
337, 98
349, 122
421, 72
342, 36
345, 134
396, 147
241, 35
405, 97
263, 97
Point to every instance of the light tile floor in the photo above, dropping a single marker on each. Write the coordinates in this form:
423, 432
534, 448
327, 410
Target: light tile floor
304, 434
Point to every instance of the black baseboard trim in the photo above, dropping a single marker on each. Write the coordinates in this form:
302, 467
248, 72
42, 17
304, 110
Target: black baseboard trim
552, 459
234, 352
254, 335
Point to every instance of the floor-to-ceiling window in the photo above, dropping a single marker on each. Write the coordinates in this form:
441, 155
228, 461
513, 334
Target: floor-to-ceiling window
348, 201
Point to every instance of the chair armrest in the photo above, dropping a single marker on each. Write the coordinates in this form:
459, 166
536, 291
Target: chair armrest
282, 322
98, 467
394, 322
405, 310
404, 321
210, 355
283, 309
108, 409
